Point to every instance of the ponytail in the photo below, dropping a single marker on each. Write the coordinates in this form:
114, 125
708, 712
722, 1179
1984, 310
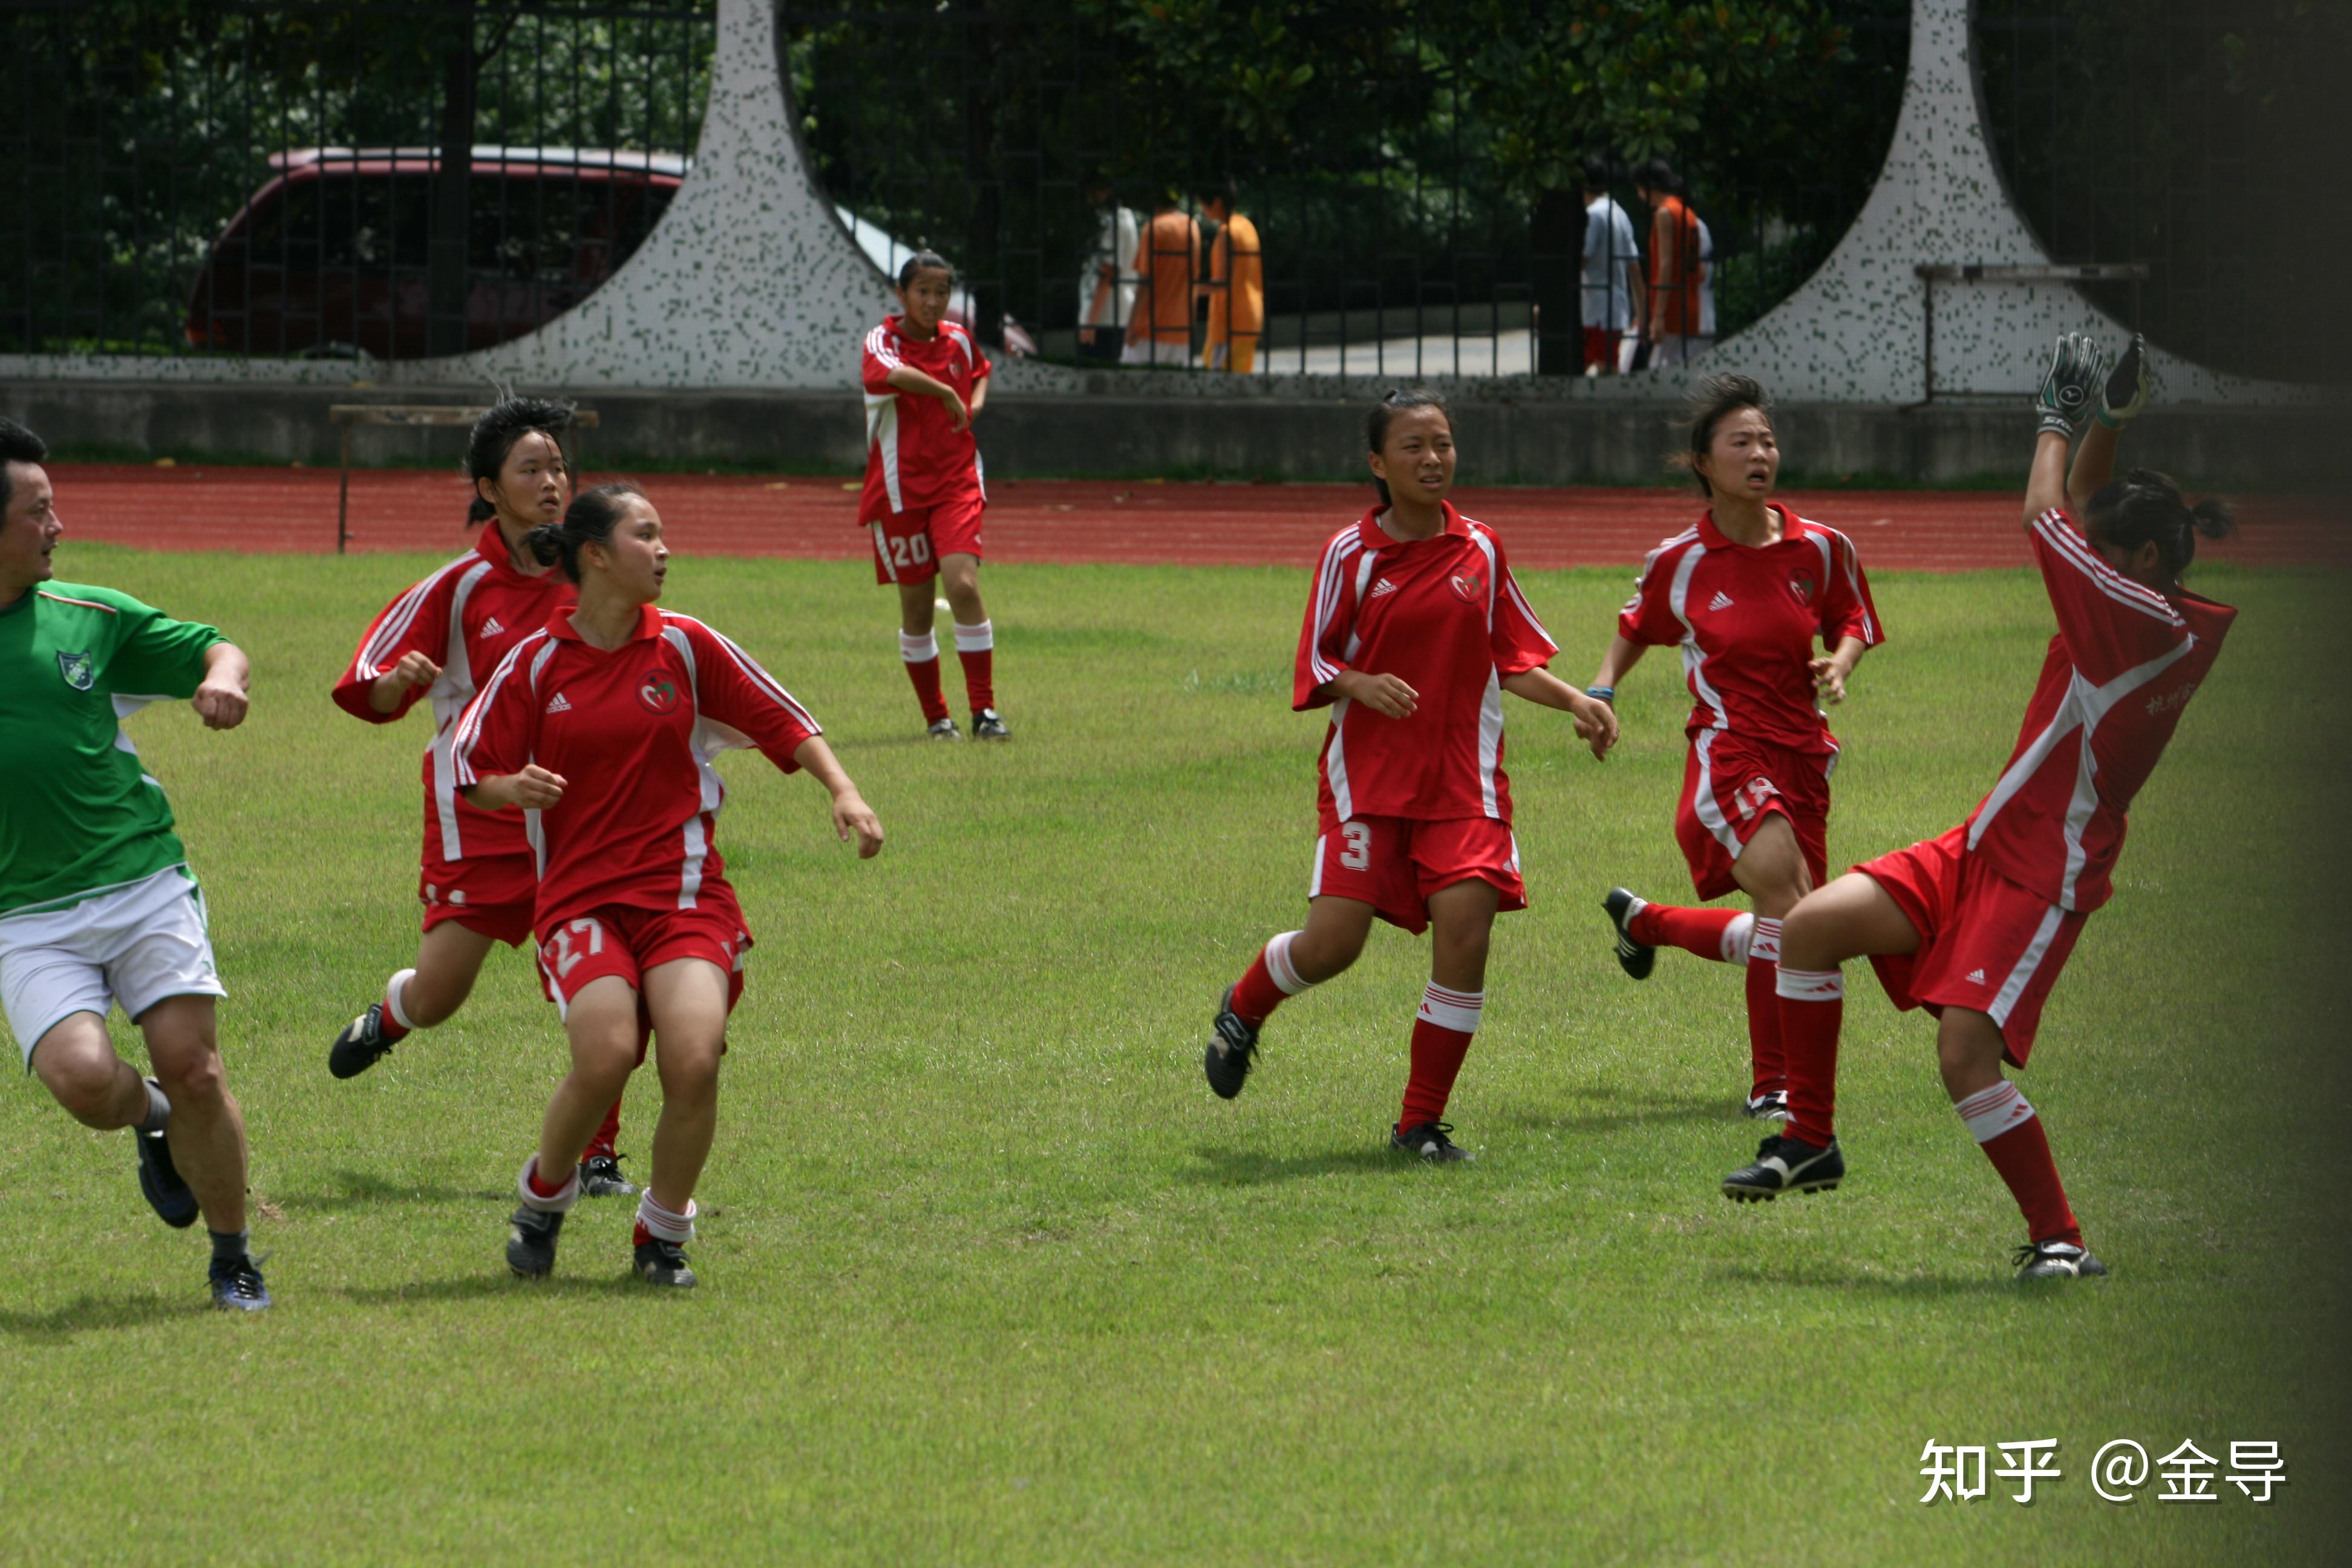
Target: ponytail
2145, 506
589, 519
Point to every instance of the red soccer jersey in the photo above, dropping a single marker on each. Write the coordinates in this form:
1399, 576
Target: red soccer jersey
465, 617
631, 733
2118, 674
1444, 616
1746, 619
915, 456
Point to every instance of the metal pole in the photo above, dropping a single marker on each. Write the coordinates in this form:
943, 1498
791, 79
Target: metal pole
343, 506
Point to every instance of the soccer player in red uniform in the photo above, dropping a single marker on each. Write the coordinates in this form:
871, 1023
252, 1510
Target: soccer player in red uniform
926, 381
1975, 925
1414, 630
438, 641
1744, 594
600, 727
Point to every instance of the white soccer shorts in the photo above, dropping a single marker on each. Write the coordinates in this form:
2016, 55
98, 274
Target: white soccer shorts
138, 945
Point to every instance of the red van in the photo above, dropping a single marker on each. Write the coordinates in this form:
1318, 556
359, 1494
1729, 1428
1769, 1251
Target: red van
331, 255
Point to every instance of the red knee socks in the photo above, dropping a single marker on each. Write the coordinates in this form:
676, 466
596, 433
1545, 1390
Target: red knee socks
1441, 1039
976, 651
1812, 1009
1766, 1059
1720, 936
2011, 1134
1267, 981
922, 656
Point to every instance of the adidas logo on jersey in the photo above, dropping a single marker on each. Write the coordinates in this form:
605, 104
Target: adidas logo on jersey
491, 629
1382, 586
1722, 601
1976, 977
559, 705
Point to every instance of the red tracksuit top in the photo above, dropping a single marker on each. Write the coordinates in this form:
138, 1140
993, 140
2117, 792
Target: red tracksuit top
465, 617
1444, 616
915, 457
633, 734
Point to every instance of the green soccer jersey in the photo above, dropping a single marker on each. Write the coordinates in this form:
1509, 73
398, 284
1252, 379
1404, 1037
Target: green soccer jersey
78, 813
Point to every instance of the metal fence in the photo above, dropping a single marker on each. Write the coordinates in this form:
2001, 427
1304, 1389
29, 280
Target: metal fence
266, 179
1085, 179
2199, 138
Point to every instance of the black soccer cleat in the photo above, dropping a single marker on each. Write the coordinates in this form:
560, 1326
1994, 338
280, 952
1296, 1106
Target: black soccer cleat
600, 1177
987, 724
360, 1045
238, 1288
663, 1262
1636, 959
1429, 1142
1771, 1105
530, 1242
1786, 1165
2057, 1261
160, 1181
942, 729
1232, 1045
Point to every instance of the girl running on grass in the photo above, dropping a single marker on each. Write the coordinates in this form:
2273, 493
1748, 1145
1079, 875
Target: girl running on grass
437, 641
1744, 594
925, 382
1975, 925
599, 728
1414, 629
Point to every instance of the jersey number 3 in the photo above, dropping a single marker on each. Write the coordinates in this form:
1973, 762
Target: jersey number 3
1355, 845
564, 957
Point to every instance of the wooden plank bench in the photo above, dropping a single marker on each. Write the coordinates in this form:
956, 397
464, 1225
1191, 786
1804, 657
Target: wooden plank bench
348, 415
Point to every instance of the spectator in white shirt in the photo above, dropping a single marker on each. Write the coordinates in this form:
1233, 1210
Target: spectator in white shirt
1612, 295
1107, 284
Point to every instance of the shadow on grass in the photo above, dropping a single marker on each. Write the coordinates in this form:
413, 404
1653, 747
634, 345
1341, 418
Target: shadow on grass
1240, 1168
361, 1189
488, 1286
1862, 1282
1623, 1113
96, 1314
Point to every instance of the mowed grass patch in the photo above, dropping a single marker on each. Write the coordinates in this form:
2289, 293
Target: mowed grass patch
989, 1276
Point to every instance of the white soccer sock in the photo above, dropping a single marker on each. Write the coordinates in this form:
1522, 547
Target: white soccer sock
565, 1195
918, 650
671, 1227
398, 984
1989, 1112
159, 1111
1455, 1010
1764, 941
1278, 965
1736, 938
1810, 984
975, 639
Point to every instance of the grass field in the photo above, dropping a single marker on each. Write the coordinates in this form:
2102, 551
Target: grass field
988, 1276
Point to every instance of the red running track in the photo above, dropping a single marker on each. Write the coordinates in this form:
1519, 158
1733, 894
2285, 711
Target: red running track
1088, 520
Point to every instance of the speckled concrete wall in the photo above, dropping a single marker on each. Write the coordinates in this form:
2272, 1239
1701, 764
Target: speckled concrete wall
749, 282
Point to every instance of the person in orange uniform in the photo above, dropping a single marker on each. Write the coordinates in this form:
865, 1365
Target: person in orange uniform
1236, 285
1168, 259
1674, 327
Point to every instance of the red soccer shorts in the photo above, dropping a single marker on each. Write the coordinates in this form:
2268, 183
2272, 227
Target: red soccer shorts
1395, 863
492, 896
618, 939
1984, 942
1730, 784
908, 545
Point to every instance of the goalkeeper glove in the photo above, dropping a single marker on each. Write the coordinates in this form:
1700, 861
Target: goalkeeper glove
2129, 387
2075, 367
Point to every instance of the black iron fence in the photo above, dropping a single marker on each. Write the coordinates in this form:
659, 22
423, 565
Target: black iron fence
1363, 187
214, 177
2200, 138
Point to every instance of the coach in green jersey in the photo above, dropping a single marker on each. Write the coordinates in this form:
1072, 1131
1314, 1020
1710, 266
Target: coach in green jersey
97, 903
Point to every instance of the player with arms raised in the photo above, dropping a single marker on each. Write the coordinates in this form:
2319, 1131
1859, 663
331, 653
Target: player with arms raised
1414, 630
926, 381
1744, 594
1975, 925
602, 727
438, 641
97, 903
